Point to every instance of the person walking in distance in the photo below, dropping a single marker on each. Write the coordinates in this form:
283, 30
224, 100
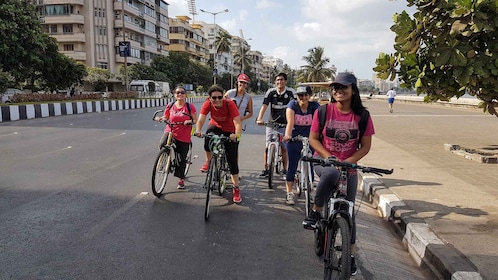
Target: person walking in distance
241, 97
299, 115
225, 120
179, 111
343, 136
390, 98
277, 98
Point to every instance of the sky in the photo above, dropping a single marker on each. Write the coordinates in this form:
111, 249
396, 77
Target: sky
352, 32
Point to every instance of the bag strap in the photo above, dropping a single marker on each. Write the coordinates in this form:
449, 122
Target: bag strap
322, 115
365, 115
188, 108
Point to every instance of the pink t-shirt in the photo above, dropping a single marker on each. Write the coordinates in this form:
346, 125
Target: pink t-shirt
174, 114
341, 132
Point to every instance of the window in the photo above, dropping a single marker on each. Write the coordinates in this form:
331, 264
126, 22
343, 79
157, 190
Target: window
68, 47
67, 28
58, 10
53, 28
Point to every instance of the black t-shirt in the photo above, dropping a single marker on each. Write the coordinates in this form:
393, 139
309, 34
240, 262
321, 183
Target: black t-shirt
278, 103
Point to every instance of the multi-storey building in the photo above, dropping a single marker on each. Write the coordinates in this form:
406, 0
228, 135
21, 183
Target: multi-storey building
90, 31
223, 61
189, 38
256, 64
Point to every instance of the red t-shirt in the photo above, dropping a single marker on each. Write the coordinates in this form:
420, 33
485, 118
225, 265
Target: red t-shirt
180, 132
221, 117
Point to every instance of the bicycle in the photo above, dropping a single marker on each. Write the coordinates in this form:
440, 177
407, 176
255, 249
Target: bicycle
274, 159
218, 172
333, 234
167, 159
304, 175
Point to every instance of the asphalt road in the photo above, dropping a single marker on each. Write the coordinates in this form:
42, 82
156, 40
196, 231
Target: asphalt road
75, 203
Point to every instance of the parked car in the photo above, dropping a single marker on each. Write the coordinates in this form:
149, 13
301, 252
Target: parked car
7, 95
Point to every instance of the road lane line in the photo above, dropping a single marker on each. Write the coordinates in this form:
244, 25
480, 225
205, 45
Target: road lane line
112, 136
106, 222
47, 153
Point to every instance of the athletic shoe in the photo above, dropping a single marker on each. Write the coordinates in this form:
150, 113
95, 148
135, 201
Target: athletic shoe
181, 184
205, 167
236, 195
354, 268
311, 222
264, 174
290, 200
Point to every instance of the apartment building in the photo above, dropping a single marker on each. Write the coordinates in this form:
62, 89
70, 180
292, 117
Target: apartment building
189, 38
90, 31
223, 61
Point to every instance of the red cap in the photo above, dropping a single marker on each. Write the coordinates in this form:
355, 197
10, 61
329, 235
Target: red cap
243, 77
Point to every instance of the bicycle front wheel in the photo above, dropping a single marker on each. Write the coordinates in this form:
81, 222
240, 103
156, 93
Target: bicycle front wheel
223, 175
160, 172
210, 181
271, 165
306, 185
188, 159
337, 260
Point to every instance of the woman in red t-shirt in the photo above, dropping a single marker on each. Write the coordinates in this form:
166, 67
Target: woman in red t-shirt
225, 120
179, 111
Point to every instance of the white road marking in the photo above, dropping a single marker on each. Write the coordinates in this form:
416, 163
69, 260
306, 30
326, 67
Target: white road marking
47, 153
106, 222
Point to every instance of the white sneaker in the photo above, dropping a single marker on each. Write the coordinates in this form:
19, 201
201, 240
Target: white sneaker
290, 199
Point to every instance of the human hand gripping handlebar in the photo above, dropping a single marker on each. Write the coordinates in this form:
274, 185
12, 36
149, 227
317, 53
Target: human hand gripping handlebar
162, 119
334, 161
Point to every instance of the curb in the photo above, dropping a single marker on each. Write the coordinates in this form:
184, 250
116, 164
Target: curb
32, 111
429, 251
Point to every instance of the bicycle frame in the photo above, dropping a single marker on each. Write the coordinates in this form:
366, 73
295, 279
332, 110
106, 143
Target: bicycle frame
304, 176
274, 158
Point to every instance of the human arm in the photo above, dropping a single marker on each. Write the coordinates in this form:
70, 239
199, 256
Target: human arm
238, 129
289, 114
366, 143
261, 114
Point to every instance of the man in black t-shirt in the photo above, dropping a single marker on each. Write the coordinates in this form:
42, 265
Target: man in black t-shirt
277, 98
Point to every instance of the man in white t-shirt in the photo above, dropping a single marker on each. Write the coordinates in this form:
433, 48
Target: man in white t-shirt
390, 98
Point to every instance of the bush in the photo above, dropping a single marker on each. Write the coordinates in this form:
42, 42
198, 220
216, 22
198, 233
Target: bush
48, 97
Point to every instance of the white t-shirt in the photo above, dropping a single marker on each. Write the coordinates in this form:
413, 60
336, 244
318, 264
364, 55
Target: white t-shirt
391, 93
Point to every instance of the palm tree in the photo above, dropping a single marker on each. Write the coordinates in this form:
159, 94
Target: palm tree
242, 58
222, 42
315, 70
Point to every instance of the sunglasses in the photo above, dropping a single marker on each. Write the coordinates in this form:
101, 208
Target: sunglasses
302, 94
242, 82
338, 87
219, 97
180, 92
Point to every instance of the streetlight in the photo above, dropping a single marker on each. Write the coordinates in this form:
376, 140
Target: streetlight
215, 71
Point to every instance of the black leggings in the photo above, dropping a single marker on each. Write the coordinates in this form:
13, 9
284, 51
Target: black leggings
231, 148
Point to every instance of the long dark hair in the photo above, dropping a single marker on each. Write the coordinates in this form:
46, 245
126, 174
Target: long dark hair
356, 104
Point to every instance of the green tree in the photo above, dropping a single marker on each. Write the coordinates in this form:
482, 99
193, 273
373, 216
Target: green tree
447, 49
315, 69
242, 59
99, 78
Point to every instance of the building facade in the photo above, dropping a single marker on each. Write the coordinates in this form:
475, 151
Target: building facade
189, 38
91, 31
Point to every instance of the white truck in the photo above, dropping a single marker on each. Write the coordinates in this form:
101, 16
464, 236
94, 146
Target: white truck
144, 88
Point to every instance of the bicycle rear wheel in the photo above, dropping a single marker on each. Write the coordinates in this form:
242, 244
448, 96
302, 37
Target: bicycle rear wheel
162, 166
188, 159
210, 181
337, 260
271, 165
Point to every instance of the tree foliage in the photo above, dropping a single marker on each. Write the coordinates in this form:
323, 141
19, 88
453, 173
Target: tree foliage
446, 50
99, 78
316, 68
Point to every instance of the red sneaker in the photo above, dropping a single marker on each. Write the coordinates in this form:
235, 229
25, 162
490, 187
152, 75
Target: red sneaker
236, 195
205, 167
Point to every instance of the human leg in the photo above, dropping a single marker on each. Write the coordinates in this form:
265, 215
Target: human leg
231, 151
163, 140
264, 173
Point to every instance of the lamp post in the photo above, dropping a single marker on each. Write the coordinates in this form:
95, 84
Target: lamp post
215, 71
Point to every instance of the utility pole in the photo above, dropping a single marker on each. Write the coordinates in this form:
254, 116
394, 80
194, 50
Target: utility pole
215, 71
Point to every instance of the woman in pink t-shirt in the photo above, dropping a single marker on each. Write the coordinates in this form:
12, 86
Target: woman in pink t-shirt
180, 111
341, 139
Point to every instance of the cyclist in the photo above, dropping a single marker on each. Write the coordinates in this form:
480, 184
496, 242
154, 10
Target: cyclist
299, 115
225, 119
277, 98
339, 138
241, 97
179, 111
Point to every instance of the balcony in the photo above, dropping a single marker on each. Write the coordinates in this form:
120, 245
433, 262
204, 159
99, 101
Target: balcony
60, 2
76, 55
129, 9
69, 37
79, 19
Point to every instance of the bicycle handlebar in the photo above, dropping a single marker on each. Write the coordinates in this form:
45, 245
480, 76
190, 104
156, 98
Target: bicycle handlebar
333, 161
299, 138
158, 119
274, 124
214, 136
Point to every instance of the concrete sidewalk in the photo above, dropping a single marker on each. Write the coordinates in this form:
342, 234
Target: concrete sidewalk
443, 206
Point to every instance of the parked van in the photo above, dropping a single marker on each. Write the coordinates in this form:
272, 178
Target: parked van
150, 88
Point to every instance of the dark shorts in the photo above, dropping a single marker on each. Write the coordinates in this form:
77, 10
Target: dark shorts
390, 100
